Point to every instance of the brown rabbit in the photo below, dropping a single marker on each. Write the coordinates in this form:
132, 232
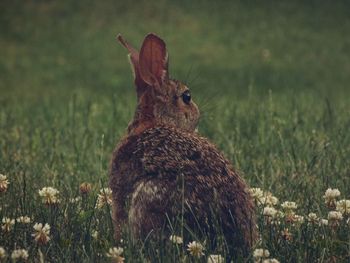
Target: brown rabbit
163, 169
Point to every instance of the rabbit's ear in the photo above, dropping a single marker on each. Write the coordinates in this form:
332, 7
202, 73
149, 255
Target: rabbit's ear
153, 61
134, 60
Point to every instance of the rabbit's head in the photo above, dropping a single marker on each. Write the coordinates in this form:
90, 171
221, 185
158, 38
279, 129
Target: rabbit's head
160, 100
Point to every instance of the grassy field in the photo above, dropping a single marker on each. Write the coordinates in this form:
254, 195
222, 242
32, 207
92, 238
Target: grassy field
271, 79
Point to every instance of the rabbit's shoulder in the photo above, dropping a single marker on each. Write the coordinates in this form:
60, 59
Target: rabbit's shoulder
170, 150
165, 151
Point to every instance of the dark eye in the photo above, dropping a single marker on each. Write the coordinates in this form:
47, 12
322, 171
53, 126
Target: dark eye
186, 97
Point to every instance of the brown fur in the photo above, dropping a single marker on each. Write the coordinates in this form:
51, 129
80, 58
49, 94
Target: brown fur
162, 163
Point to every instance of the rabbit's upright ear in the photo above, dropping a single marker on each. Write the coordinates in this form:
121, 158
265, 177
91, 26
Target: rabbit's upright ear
134, 60
153, 61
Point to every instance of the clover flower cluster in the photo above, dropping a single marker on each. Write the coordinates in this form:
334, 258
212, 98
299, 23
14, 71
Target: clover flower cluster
42, 233
273, 213
49, 195
338, 209
115, 254
104, 198
4, 183
261, 255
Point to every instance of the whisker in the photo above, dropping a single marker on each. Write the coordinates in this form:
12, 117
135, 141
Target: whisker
188, 73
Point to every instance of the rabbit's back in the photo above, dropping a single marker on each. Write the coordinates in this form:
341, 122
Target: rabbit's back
164, 167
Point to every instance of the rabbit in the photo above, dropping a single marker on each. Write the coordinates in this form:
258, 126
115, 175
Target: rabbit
163, 168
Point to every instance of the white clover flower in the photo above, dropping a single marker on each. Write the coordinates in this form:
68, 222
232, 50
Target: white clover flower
277, 216
343, 206
19, 254
312, 218
267, 199
256, 193
215, 259
270, 260
272, 200
23, 219
195, 248
94, 234
42, 233
261, 253
4, 182
269, 211
49, 195
176, 239
323, 222
331, 193
298, 219
335, 216
330, 197
7, 224
75, 200
115, 254
2, 253
104, 198
289, 206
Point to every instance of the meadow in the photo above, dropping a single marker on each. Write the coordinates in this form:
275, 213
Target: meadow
271, 79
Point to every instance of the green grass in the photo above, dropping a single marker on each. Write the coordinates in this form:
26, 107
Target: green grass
271, 79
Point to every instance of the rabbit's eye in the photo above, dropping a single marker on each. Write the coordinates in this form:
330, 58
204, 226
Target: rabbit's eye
186, 97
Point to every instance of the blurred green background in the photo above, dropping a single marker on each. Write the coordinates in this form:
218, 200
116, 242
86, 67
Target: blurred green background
56, 48
271, 79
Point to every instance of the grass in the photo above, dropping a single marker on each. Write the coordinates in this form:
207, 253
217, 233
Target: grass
271, 80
